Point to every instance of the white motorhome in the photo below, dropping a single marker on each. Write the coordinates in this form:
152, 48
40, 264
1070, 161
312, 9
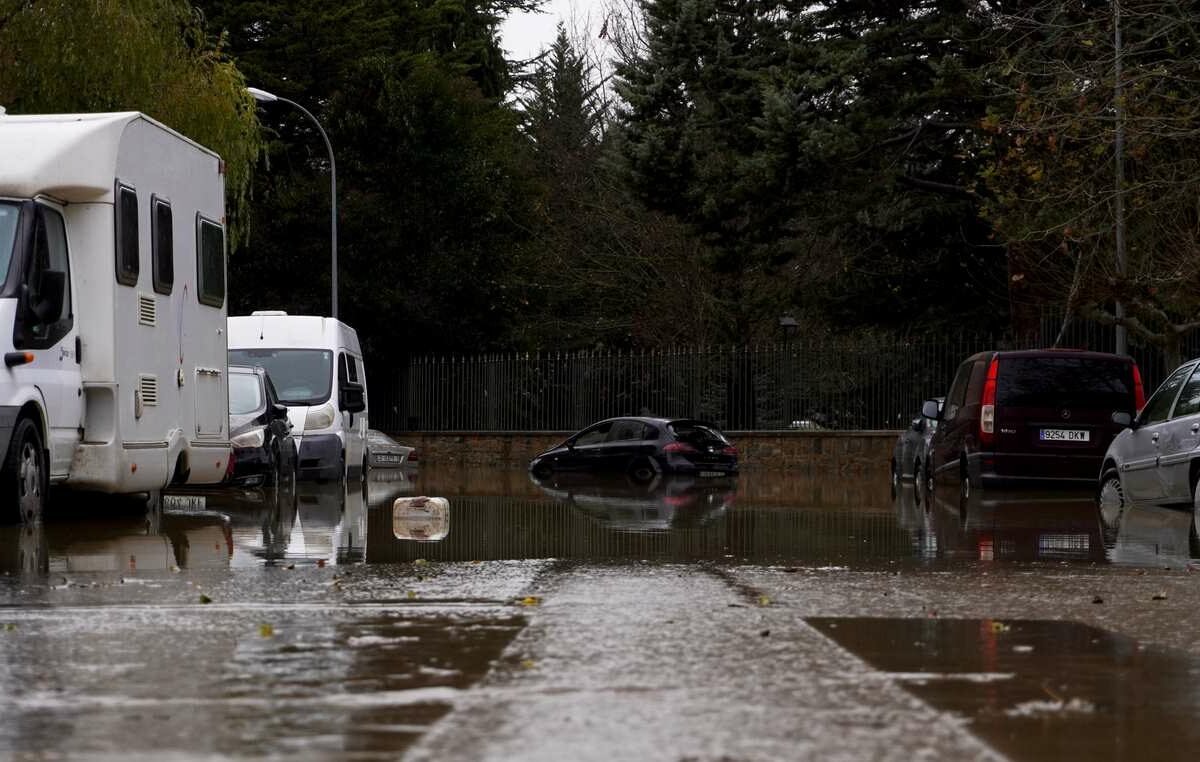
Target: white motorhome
112, 307
316, 364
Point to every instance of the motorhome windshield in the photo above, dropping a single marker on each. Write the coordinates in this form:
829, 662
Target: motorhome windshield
301, 376
9, 215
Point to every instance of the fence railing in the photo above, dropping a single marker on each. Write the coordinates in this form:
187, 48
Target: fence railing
828, 384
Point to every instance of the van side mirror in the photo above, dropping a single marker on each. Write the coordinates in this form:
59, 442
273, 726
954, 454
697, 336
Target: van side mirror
53, 294
352, 398
930, 409
1121, 418
280, 411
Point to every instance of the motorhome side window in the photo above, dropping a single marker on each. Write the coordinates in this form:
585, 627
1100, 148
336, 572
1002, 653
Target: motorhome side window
127, 235
162, 255
210, 262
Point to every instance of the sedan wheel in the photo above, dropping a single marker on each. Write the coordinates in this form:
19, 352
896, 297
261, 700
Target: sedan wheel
1194, 538
917, 479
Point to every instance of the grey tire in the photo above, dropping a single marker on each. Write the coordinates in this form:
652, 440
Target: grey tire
24, 478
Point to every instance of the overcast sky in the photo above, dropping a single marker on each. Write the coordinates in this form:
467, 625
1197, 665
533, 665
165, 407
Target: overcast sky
525, 34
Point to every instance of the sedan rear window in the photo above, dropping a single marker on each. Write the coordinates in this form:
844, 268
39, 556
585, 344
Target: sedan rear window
1078, 382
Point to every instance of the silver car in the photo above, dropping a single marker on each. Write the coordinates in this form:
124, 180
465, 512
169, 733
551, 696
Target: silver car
385, 452
1157, 459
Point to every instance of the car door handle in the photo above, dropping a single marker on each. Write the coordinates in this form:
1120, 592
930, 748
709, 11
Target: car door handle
1154, 437
1195, 427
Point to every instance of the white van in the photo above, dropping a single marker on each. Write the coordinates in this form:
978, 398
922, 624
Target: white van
316, 365
112, 308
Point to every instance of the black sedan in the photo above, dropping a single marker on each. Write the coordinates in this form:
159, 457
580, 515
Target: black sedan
642, 448
264, 451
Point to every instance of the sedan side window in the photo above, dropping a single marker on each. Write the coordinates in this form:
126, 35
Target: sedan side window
1189, 398
1159, 406
625, 431
594, 435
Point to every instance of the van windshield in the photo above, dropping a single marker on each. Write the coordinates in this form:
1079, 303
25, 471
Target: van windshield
9, 215
300, 376
1065, 382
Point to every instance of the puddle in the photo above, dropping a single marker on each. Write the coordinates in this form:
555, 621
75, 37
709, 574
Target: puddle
1038, 689
488, 515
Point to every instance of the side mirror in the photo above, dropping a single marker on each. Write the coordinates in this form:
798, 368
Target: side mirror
280, 411
1121, 418
352, 398
918, 424
930, 409
52, 286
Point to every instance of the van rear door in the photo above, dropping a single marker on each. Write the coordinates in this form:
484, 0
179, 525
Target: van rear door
1052, 404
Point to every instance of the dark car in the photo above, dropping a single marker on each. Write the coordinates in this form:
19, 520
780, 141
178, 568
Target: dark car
643, 448
909, 454
264, 451
1034, 417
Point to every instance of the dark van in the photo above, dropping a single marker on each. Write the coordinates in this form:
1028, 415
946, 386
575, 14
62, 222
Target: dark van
1036, 417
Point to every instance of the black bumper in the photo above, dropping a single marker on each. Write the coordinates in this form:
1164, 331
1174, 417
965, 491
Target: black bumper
252, 467
321, 458
8, 422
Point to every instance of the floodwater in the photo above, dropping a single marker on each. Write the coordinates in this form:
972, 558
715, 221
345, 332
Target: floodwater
772, 616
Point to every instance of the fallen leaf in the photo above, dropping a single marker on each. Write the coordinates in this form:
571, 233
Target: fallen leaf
765, 633
530, 600
412, 594
1097, 599
1000, 627
764, 600
420, 562
320, 563
205, 599
10, 627
266, 630
527, 664
1159, 596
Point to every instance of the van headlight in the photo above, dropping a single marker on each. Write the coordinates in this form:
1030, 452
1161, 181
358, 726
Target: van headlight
251, 438
320, 417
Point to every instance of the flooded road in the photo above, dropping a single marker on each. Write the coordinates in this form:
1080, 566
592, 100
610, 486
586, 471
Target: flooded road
772, 617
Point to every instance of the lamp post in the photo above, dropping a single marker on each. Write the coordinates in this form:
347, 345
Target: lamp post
262, 96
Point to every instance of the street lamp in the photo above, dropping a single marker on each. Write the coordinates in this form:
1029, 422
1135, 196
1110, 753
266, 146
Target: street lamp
262, 96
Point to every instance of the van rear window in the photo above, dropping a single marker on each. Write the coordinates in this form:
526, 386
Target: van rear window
1077, 382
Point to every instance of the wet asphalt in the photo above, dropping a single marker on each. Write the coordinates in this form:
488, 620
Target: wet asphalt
774, 617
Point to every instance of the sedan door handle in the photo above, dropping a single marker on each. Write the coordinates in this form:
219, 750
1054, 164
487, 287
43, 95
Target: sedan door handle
1195, 427
1154, 437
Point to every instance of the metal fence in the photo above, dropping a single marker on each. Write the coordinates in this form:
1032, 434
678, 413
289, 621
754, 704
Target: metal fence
826, 384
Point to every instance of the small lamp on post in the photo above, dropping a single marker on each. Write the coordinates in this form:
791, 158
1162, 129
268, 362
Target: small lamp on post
262, 96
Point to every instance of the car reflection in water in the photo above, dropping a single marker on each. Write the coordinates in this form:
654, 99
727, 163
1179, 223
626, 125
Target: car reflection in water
665, 503
1004, 526
152, 542
1023, 526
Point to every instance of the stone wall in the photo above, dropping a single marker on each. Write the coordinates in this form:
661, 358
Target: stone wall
815, 452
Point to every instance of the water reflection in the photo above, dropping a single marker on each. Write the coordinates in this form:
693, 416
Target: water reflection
1046, 526
1038, 689
622, 504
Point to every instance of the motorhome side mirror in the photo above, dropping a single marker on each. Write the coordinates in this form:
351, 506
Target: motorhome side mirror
1121, 418
53, 287
352, 399
930, 409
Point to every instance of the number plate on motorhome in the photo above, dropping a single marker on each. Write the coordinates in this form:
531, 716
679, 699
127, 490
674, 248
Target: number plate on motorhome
1065, 435
185, 502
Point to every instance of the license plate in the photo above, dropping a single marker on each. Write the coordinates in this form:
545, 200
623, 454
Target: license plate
185, 502
1065, 435
709, 474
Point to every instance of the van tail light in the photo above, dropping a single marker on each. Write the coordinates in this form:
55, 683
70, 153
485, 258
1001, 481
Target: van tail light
987, 416
679, 447
1139, 391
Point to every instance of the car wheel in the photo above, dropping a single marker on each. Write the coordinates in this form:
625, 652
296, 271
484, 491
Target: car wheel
964, 488
23, 480
542, 470
1111, 498
642, 471
895, 477
918, 487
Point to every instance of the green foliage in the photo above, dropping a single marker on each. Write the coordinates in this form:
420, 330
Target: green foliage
63, 56
826, 152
